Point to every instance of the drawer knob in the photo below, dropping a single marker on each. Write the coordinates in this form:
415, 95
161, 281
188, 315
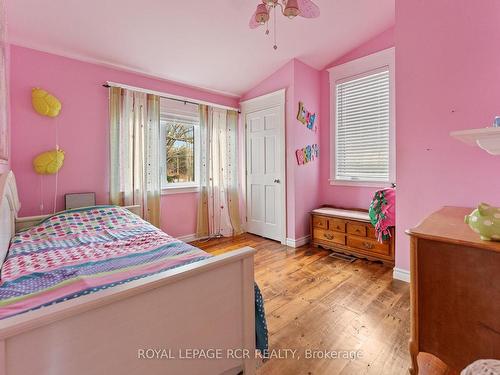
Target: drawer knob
328, 236
368, 245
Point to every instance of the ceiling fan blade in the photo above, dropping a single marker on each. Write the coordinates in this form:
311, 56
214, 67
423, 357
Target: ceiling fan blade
308, 9
253, 24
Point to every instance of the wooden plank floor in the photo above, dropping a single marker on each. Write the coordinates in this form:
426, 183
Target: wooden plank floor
316, 302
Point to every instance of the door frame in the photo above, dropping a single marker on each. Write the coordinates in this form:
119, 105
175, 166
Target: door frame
271, 100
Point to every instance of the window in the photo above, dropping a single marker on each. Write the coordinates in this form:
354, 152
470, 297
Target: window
180, 152
363, 136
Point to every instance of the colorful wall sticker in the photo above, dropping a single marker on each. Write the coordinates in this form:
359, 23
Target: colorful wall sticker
306, 117
307, 154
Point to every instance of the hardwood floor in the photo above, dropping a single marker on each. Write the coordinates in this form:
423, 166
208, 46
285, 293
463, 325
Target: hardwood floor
316, 302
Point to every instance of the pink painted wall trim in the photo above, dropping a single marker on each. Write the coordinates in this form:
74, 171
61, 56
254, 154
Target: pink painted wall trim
83, 131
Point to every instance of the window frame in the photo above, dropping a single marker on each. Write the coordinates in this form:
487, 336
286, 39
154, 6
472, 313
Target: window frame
355, 69
179, 187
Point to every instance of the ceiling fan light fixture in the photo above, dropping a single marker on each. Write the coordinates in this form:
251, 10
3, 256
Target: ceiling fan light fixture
288, 8
262, 14
291, 9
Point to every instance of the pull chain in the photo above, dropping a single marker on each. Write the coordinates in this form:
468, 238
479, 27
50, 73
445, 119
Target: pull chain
275, 38
57, 173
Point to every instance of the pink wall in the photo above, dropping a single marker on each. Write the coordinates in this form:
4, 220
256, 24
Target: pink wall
302, 83
379, 42
447, 78
5, 165
306, 177
281, 79
345, 196
179, 214
83, 131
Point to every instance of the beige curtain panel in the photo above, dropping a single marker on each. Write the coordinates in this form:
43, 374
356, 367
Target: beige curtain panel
218, 209
135, 151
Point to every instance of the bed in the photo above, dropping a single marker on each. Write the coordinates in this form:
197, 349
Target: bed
154, 306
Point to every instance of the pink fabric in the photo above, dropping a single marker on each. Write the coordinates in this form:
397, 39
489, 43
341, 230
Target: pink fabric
387, 215
82, 283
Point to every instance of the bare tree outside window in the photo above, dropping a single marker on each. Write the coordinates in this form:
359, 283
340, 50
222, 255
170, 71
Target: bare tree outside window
180, 145
180, 152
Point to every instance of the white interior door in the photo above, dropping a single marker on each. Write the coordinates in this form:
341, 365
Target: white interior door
265, 188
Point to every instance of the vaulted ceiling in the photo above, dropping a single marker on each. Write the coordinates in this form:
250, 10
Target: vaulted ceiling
205, 43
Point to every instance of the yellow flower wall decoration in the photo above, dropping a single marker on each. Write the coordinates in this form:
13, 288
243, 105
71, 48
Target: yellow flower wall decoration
48, 162
44, 103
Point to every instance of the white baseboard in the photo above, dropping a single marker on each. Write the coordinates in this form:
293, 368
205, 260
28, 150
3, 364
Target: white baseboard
188, 238
298, 242
401, 274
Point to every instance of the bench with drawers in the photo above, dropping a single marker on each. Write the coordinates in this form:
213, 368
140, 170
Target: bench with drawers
349, 232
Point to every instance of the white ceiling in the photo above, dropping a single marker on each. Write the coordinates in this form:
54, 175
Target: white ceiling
205, 43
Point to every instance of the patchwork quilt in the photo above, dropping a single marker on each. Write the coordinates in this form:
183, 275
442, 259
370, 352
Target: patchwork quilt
82, 251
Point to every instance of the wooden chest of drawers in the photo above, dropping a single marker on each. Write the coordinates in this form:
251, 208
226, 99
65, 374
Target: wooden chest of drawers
349, 232
455, 292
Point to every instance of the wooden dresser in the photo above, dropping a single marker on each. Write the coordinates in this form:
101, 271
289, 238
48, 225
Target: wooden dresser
349, 232
455, 291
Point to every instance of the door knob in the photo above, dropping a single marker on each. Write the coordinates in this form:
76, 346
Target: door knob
277, 180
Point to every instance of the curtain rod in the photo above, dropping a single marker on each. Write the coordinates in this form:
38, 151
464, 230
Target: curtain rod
168, 96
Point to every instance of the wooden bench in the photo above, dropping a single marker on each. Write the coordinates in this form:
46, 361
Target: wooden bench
349, 232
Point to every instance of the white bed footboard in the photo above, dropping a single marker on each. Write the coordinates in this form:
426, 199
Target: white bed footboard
206, 306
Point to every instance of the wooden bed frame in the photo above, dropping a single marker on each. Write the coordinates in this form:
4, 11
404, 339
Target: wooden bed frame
207, 306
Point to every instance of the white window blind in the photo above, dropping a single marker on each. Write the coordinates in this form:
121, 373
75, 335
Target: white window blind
362, 141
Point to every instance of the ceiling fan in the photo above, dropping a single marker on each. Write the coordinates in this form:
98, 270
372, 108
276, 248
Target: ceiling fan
289, 8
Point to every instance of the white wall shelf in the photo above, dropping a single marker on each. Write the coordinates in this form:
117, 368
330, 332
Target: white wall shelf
486, 138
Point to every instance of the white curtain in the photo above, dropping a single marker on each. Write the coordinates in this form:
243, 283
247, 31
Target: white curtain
218, 209
135, 151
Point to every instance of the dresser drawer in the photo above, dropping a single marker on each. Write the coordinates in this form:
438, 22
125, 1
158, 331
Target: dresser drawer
320, 222
337, 225
369, 245
351, 236
370, 229
356, 229
329, 236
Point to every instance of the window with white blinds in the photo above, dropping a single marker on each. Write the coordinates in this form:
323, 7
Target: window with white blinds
362, 128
